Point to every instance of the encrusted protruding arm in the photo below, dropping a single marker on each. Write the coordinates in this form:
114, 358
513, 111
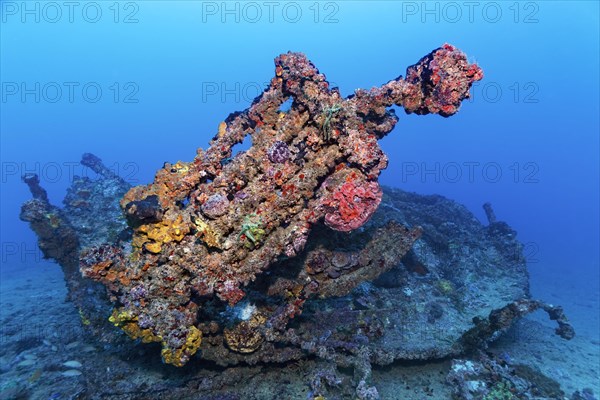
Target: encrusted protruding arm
37, 191
56, 238
489, 213
439, 82
499, 320
94, 163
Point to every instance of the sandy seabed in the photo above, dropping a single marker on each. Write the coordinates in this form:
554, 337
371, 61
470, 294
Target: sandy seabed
40, 331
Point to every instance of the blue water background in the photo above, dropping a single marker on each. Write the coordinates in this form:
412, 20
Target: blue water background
534, 119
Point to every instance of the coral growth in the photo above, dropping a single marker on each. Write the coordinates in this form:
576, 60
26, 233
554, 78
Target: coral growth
318, 160
370, 296
351, 201
489, 378
91, 216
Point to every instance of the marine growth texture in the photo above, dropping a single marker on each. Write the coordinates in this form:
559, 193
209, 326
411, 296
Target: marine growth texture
205, 229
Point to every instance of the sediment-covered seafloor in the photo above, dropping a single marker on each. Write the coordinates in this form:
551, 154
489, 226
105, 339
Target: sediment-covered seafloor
291, 254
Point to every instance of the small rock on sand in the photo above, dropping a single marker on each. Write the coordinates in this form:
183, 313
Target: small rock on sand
72, 364
71, 372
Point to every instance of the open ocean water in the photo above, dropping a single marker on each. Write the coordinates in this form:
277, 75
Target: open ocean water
141, 83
